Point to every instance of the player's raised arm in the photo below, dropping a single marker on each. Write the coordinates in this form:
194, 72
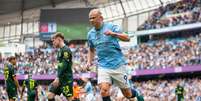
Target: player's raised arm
119, 35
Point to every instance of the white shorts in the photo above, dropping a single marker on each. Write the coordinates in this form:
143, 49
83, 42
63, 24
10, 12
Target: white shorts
117, 76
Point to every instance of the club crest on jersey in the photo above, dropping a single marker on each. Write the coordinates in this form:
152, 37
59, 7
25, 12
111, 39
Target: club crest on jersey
66, 55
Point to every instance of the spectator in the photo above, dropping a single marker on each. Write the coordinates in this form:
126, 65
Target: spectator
182, 12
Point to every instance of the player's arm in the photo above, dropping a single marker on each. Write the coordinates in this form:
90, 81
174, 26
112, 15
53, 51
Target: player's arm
184, 92
16, 82
6, 72
90, 56
116, 32
23, 88
121, 36
56, 82
36, 90
91, 51
13, 73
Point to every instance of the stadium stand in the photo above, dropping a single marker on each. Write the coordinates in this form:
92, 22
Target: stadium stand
180, 13
155, 54
152, 55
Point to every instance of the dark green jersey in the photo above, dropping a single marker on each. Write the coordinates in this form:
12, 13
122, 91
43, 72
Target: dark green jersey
9, 73
179, 91
30, 84
64, 70
31, 89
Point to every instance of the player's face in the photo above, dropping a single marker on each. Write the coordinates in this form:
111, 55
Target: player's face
13, 61
95, 19
55, 42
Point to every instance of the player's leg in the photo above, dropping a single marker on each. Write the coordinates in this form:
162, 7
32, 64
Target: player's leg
89, 97
104, 82
11, 99
51, 96
67, 90
31, 96
105, 91
69, 98
12, 94
120, 78
53, 91
133, 92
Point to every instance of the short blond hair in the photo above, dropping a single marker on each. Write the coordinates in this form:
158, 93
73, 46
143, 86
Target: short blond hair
58, 34
97, 11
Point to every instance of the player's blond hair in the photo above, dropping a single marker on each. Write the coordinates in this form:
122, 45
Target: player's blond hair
58, 34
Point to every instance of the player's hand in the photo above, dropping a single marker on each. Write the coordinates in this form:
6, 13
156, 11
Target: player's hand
89, 64
109, 32
55, 83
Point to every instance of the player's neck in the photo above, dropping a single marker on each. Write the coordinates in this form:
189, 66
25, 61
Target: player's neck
62, 45
12, 63
98, 27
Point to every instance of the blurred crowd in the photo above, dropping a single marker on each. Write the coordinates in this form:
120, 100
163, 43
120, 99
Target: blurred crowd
182, 12
164, 90
37, 62
165, 53
152, 90
150, 55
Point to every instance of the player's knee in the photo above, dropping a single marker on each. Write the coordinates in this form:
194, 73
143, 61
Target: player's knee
105, 89
127, 93
11, 99
50, 97
104, 92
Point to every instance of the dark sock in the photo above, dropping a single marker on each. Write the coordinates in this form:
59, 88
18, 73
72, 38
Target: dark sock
140, 98
137, 95
134, 93
51, 100
107, 98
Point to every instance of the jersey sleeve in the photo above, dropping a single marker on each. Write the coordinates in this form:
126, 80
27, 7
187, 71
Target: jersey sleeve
90, 44
6, 72
12, 71
116, 29
89, 41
